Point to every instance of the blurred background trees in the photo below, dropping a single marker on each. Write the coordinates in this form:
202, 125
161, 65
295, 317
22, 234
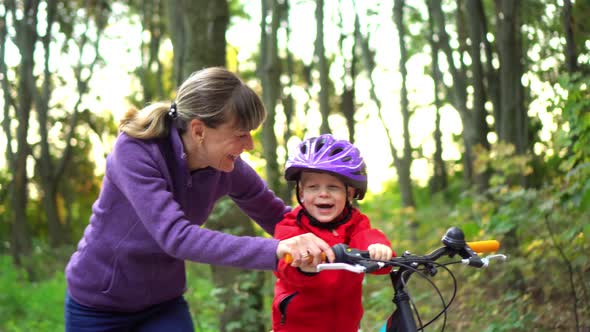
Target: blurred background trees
479, 110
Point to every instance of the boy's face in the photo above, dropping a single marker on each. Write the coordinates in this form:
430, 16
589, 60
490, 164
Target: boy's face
323, 195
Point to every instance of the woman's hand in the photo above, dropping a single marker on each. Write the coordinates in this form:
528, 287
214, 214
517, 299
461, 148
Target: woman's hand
380, 252
304, 246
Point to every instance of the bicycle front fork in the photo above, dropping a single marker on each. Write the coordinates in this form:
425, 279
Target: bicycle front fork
402, 319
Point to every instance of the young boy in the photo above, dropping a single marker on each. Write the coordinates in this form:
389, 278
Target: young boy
329, 173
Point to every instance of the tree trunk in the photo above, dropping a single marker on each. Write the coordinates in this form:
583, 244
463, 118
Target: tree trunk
439, 181
320, 53
269, 69
475, 32
44, 164
286, 96
491, 75
26, 38
347, 100
198, 28
513, 118
459, 89
571, 55
403, 164
151, 71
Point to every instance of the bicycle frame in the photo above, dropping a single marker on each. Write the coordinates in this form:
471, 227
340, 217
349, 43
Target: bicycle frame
402, 319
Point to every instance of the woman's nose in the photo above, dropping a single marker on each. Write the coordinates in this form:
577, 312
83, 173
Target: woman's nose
248, 142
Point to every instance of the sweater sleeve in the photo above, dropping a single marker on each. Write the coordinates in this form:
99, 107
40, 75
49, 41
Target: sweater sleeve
253, 196
135, 168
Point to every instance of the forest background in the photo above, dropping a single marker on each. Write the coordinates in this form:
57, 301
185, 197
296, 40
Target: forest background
470, 113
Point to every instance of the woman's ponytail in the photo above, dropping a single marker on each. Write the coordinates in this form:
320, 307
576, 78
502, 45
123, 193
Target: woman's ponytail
151, 122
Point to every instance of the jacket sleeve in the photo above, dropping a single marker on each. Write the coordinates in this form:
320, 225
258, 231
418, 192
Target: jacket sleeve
364, 236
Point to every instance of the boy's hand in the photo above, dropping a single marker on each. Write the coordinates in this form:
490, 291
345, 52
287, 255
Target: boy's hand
380, 251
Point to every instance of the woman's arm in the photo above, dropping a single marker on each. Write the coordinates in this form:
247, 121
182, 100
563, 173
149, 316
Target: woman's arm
252, 195
138, 172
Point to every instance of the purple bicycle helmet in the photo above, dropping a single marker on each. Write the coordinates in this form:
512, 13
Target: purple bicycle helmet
325, 153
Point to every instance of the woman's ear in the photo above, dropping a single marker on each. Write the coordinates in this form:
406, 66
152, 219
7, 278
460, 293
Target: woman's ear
197, 130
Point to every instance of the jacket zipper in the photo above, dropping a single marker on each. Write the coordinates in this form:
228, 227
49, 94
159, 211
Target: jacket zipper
283, 306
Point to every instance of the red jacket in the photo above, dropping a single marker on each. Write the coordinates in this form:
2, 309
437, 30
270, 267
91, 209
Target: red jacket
325, 301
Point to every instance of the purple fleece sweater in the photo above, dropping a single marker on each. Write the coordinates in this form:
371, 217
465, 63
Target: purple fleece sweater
146, 222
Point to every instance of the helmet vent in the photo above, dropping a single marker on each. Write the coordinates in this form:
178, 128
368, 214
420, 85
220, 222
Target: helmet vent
336, 151
347, 158
319, 146
303, 149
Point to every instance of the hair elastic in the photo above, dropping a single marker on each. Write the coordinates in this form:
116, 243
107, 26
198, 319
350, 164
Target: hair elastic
173, 113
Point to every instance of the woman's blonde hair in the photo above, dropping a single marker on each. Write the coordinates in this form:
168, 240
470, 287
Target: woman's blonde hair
214, 95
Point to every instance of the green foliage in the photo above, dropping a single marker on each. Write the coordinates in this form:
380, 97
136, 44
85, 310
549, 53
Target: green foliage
573, 110
200, 295
4, 209
30, 306
503, 161
543, 230
38, 306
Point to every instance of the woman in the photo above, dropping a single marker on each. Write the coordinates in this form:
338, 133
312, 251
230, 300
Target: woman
169, 166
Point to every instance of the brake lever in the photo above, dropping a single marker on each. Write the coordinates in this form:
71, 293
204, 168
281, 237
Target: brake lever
489, 258
357, 268
483, 262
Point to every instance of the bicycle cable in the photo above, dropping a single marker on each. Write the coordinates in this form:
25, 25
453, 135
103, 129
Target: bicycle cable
420, 272
445, 305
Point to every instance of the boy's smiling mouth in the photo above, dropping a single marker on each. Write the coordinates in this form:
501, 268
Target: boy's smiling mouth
324, 206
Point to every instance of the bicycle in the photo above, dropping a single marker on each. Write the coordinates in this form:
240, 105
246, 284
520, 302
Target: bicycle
405, 316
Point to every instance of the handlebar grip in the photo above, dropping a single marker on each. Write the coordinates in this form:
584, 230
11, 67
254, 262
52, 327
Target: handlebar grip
344, 254
289, 259
484, 246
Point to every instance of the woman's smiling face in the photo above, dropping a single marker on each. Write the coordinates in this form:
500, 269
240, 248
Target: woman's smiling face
221, 146
218, 147
323, 195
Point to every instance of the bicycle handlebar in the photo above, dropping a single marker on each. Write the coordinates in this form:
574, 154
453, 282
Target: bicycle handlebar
454, 244
359, 261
